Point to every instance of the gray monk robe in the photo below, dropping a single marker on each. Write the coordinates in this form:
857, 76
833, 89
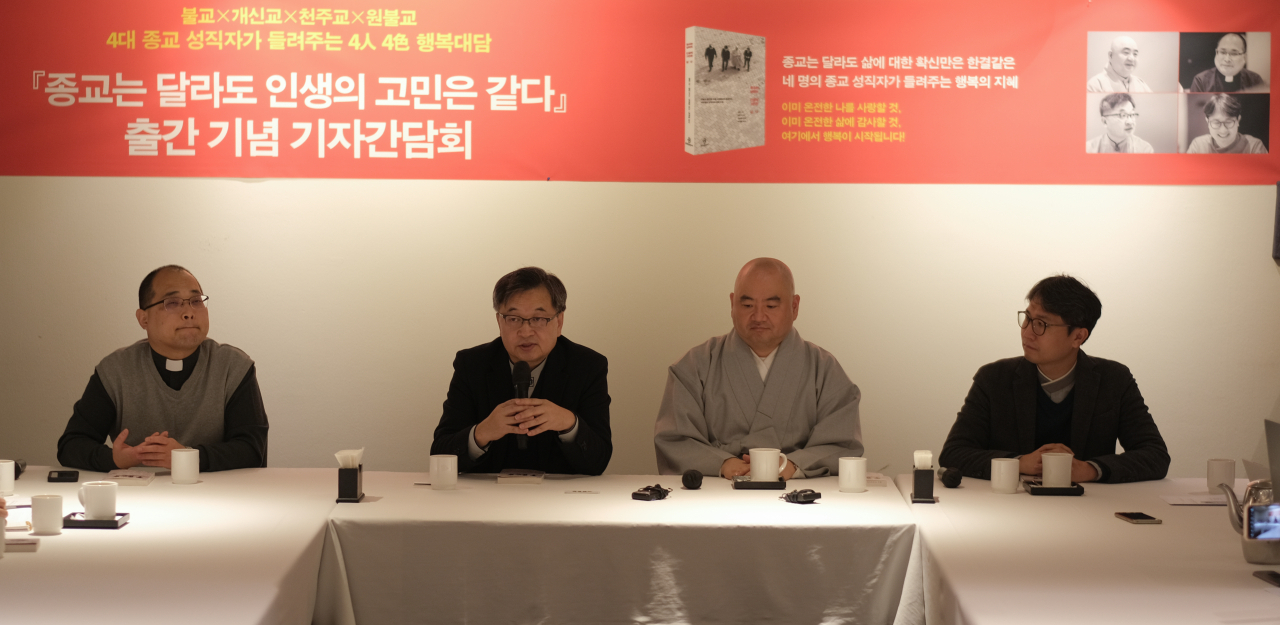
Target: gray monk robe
715, 407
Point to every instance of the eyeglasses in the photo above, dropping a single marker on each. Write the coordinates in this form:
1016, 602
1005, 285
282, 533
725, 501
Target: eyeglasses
172, 304
1124, 116
1037, 325
513, 322
1228, 124
1235, 54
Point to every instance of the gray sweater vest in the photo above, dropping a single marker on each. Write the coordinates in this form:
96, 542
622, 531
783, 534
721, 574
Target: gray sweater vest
145, 404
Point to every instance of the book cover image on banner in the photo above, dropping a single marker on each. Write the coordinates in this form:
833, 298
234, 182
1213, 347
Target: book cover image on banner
724, 75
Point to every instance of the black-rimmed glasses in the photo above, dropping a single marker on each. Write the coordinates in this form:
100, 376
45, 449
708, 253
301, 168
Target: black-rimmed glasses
1037, 325
172, 304
515, 321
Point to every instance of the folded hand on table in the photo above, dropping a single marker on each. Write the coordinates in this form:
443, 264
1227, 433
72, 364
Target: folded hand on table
1033, 464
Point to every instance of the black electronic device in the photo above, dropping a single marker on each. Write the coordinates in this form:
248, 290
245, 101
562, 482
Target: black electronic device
692, 479
1270, 577
521, 375
1262, 521
1036, 487
19, 466
807, 495
1138, 518
651, 493
743, 482
64, 476
951, 477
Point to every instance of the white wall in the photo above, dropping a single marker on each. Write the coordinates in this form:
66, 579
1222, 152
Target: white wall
353, 295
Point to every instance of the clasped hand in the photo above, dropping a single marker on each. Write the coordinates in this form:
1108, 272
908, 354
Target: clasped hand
733, 467
523, 416
152, 452
1033, 464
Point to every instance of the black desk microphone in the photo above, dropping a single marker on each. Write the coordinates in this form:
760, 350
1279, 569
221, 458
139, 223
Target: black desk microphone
692, 479
521, 376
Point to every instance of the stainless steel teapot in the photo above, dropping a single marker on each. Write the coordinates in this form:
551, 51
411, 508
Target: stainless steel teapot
1259, 492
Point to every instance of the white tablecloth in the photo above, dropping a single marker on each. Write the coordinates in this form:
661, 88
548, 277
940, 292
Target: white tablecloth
537, 554
993, 559
240, 547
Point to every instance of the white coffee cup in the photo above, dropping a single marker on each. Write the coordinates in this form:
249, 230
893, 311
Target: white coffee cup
46, 514
766, 464
99, 500
6, 478
1004, 475
853, 475
185, 465
1057, 469
1220, 471
444, 472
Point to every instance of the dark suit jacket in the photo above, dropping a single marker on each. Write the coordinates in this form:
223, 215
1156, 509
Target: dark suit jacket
573, 378
998, 420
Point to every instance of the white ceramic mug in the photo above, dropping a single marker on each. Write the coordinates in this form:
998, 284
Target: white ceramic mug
46, 515
99, 500
1057, 469
853, 475
1004, 475
1220, 471
6, 478
444, 472
184, 465
766, 464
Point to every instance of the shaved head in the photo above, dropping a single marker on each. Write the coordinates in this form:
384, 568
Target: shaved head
764, 304
766, 266
1123, 55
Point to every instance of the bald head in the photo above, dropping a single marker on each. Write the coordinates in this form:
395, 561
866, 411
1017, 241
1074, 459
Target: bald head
1123, 55
766, 267
764, 304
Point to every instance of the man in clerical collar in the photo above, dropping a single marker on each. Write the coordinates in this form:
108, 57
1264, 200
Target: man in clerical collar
1119, 118
1055, 398
1118, 75
175, 389
1229, 72
759, 386
563, 424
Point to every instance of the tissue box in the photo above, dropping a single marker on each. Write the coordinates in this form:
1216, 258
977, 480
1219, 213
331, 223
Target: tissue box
351, 485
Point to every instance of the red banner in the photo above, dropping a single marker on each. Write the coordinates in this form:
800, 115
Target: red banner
990, 91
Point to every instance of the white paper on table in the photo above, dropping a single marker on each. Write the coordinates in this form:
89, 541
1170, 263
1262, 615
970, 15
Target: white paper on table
17, 501
131, 477
1195, 500
19, 520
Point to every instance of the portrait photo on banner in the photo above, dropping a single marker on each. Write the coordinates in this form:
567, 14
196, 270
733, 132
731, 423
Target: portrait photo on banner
1226, 123
1133, 62
1225, 62
1131, 123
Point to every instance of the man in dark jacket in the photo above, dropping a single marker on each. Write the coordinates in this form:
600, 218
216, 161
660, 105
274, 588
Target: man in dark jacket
1055, 398
563, 427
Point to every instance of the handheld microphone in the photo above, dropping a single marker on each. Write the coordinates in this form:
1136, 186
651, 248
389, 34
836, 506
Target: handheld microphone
520, 377
692, 479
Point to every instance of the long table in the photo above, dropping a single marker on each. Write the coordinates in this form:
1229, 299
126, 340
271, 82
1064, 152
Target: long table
581, 550
239, 547
991, 559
